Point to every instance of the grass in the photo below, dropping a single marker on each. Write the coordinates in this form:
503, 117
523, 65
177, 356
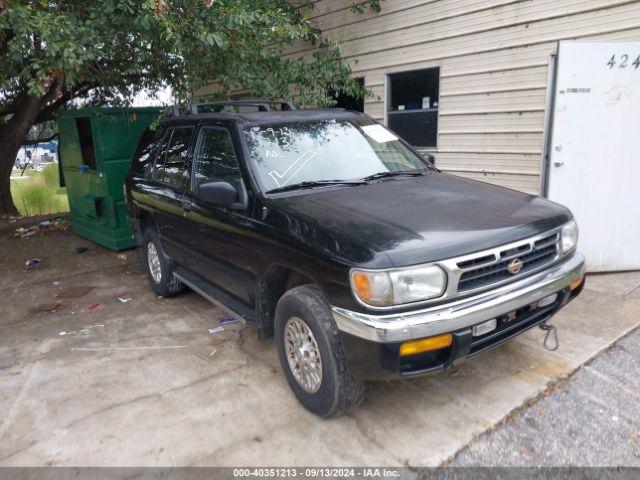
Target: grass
40, 193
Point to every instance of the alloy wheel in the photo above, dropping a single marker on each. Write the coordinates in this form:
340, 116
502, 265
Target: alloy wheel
303, 354
154, 262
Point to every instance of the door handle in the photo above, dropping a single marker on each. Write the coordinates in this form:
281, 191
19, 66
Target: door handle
558, 164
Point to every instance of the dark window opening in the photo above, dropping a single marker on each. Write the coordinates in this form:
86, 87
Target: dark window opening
349, 102
413, 106
83, 125
99, 208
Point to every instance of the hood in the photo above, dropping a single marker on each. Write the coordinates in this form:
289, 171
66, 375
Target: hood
406, 221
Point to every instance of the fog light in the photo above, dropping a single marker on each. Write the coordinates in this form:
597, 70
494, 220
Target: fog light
576, 283
425, 345
485, 327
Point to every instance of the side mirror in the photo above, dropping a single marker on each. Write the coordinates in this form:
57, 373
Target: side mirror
429, 158
222, 194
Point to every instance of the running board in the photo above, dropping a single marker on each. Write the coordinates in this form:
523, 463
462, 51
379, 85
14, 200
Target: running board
215, 295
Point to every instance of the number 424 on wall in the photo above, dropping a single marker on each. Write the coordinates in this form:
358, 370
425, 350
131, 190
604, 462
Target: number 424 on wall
623, 61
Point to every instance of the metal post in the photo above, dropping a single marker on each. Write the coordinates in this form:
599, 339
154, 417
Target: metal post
548, 124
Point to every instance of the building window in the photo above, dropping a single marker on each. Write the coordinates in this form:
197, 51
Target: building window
413, 106
344, 100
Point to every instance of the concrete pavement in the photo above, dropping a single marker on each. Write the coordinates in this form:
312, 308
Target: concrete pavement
592, 419
144, 383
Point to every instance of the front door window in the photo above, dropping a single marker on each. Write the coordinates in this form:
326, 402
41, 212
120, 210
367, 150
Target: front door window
216, 159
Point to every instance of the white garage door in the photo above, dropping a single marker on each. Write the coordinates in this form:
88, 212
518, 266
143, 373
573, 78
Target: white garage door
595, 149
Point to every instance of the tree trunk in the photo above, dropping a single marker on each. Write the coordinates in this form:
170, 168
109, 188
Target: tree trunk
12, 135
7, 156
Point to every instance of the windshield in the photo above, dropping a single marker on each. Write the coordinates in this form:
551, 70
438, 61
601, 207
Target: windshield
289, 154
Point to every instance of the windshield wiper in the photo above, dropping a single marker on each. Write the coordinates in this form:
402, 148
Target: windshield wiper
314, 183
408, 173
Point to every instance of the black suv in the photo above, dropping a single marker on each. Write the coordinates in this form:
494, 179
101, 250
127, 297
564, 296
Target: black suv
325, 230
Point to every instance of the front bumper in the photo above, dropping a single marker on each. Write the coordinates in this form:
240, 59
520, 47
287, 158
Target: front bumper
451, 316
372, 341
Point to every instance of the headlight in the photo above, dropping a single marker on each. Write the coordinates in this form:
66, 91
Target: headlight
569, 238
396, 287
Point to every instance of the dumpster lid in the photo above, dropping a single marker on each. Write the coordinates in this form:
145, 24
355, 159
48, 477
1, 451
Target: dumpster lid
86, 112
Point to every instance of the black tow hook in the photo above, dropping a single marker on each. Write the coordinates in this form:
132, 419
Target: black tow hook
551, 330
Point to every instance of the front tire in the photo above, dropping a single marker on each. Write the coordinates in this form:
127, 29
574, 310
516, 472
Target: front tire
158, 266
311, 354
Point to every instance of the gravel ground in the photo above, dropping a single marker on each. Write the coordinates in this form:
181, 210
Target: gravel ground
591, 419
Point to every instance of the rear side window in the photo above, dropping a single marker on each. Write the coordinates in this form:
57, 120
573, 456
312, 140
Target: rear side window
158, 170
142, 162
173, 166
215, 158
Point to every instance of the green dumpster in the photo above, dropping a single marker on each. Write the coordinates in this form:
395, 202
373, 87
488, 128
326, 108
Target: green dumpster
95, 150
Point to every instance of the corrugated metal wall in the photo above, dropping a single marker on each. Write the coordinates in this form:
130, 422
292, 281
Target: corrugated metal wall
494, 60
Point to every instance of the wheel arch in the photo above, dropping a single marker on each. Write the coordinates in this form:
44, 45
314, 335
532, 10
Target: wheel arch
143, 220
275, 282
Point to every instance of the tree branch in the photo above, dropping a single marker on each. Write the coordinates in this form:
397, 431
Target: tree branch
47, 113
41, 140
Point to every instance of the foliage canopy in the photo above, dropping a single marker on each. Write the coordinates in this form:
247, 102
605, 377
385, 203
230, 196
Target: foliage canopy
108, 50
99, 52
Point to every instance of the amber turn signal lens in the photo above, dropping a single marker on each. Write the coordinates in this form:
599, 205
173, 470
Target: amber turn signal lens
425, 345
576, 283
362, 286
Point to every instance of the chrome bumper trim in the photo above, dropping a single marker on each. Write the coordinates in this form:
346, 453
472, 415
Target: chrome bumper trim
459, 314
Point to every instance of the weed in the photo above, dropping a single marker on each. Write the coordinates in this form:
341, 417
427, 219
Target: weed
40, 194
51, 176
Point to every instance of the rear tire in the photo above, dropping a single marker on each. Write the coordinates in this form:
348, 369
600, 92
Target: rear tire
312, 356
158, 266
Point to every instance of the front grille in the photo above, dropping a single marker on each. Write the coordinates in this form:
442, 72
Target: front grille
533, 256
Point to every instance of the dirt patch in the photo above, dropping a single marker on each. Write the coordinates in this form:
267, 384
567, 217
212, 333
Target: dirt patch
74, 291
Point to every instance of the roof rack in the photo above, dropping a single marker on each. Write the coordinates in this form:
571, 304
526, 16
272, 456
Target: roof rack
214, 107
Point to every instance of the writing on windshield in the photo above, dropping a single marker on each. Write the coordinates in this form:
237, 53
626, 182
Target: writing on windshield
325, 150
